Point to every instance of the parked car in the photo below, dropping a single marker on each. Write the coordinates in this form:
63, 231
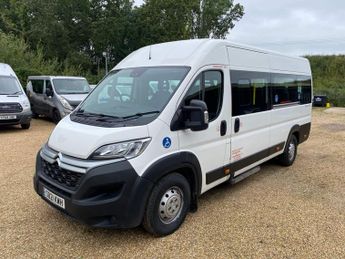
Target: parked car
14, 104
56, 96
170, 122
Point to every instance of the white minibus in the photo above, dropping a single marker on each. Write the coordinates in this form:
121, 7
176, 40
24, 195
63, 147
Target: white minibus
167, 124
14, 104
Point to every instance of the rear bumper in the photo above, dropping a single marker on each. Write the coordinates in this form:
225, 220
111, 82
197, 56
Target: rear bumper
22, 118
108, 196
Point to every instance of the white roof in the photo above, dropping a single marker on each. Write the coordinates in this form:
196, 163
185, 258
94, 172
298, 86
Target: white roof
198, 52
6, 70
55, 77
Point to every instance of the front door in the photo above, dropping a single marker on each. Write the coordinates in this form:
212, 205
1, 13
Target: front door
36, 99
48, 100
210, 145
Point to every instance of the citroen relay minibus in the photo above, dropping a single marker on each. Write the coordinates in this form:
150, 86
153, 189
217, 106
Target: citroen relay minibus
167, 124
56, 96
14, 105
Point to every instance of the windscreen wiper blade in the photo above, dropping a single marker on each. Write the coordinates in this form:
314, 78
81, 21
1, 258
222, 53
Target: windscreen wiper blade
106, 117
18, 92
98, 116
139, 114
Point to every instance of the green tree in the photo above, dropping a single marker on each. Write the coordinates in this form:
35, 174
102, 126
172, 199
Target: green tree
25, 62
214, 18
110, 22
166, 20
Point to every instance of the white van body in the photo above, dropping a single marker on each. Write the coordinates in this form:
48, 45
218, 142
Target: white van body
258, 107
14, 104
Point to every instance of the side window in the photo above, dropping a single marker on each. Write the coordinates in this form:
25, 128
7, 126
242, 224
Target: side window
37, 86
304, 89
249, 92
49, 85
208, 87
284, 89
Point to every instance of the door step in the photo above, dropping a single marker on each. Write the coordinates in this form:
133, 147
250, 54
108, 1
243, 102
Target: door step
244, 175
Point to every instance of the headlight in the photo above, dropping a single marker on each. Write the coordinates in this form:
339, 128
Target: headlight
26, 104
65, 103
128, 149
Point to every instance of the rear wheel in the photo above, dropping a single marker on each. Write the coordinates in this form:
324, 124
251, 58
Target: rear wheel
290, 152
56, 116
25, 126
168, 205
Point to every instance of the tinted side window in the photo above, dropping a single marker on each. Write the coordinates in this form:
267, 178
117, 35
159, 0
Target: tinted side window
208, 87
304, 89
37, 86
284, 89
249, 92
49, 85
291, 89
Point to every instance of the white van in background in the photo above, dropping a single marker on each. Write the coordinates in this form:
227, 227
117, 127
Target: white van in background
170, 122
14, 105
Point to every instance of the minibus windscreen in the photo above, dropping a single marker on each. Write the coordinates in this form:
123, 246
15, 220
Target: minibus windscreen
9, 86
134, 92
71, 86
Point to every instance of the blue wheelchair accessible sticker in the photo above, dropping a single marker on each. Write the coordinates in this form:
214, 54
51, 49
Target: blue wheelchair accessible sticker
166, 142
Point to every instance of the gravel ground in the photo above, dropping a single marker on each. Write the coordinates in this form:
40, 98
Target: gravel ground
295, 212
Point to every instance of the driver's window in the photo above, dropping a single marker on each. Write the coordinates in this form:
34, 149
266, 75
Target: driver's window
208, 87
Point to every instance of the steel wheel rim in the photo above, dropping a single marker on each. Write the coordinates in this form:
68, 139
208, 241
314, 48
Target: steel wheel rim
170, 205
291, 151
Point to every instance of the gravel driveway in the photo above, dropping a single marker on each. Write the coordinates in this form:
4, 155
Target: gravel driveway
296, 212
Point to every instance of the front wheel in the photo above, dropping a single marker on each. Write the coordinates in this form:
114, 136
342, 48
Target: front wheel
168, 205
290, 152
56, 116
25, 126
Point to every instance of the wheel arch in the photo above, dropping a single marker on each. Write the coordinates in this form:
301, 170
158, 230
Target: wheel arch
185, 163
295, 130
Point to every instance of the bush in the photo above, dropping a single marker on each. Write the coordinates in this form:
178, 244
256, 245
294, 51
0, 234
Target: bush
329, 77
26, 62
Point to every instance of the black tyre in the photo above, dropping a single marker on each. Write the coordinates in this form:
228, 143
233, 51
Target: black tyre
290, 152
168, 205
34, 115
25, 126
56, 116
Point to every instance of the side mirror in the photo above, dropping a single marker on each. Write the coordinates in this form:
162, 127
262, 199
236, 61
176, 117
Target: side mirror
49, 92
196, 115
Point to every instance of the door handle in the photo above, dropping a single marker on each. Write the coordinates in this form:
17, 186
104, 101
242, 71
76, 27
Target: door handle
223, 128
237, 125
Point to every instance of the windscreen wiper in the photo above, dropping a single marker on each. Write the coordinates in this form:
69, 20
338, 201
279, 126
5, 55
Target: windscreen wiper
99, 116
18, 92
139, 114
106, 117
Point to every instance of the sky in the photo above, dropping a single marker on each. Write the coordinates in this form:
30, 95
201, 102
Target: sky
296, 27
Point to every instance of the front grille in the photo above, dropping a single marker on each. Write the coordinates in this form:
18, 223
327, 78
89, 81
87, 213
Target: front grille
61, 176
10, 108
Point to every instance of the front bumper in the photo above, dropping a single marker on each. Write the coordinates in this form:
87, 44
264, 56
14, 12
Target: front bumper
108, 196
22, 118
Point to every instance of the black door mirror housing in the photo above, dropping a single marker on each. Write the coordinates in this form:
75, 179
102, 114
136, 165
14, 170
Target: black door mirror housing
196, 115
49, 92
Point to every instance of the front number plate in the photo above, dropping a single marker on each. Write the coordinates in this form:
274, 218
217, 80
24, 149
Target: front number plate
53, 198
8, 117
